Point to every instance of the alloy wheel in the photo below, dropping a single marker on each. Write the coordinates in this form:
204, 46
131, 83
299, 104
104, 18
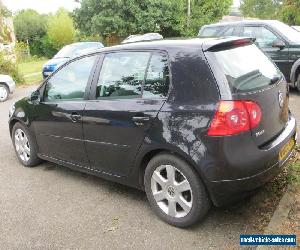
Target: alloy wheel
22, 145
171, 191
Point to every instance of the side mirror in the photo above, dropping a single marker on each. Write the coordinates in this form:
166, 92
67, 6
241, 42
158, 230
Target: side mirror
35, 96
278, 44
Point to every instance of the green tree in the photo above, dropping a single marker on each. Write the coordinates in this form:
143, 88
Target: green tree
30, 25
264, 9
121, 18
290, 12
205, 12
61, 29
4, 12
125, 17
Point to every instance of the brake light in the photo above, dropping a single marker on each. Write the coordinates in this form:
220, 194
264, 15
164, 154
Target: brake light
234, 117
254, 113
242, 42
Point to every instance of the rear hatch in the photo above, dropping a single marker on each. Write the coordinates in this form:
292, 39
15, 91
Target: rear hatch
252, 76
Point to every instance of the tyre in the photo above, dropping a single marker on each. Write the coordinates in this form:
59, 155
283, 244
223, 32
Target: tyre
175, 191
4, 92
298, 83
25, 146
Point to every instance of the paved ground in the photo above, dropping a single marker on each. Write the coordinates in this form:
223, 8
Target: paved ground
52, 207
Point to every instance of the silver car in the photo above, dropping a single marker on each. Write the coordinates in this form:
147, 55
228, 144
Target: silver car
7, 86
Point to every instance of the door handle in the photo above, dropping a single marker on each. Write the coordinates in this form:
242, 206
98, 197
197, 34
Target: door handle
75, 117
140, 120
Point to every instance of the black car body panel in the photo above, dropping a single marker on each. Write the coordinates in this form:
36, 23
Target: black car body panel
115, 139
117, 128
57, 135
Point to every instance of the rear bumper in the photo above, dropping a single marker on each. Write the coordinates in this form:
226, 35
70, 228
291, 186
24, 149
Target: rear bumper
226, 191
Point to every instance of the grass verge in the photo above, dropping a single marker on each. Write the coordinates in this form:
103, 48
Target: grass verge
294, 169
31, 71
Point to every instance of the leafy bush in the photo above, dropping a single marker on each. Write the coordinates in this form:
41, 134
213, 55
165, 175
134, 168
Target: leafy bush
42, 47
21, 51
8, 67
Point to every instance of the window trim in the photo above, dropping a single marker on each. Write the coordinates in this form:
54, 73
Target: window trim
92, 95
42, 88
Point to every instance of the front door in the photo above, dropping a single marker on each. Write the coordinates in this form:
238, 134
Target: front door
58, 122
264, 39
131, 89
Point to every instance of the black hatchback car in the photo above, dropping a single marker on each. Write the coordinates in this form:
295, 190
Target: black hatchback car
278, 40
191, 122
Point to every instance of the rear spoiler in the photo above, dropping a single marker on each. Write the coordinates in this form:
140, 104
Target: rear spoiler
224, 44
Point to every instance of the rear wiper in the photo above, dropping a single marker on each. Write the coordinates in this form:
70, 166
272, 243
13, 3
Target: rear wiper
275, 79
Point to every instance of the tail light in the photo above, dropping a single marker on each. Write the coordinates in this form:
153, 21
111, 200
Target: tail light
234, 117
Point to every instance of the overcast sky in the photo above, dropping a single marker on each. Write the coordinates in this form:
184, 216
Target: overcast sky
236, 3
46, 6
42, 6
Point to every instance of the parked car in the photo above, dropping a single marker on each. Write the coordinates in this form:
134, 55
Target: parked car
67, 52
191, 122
296, 28
143, 37
278, 40
7, 86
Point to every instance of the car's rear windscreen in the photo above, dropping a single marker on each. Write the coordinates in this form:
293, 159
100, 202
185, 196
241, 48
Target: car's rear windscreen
246, 68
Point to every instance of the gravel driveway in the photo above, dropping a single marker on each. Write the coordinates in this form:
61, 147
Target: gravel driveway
52, 207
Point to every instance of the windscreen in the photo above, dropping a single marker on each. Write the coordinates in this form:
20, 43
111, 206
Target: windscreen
247, 68
66, 52
290, 33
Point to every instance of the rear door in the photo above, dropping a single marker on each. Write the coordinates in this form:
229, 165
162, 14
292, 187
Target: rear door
264, 39
130, 90
252, 76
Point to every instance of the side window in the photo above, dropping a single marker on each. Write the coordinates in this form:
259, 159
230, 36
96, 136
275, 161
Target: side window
264, 37
122, 75
210, 31
70, 82
157, 78
228, 31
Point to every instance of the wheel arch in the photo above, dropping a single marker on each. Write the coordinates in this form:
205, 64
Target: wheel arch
5, 84
12, 123
6, 87
143, 161
295, 71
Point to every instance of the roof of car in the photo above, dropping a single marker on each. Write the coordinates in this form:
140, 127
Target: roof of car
166, 44
80, 43
236, 23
